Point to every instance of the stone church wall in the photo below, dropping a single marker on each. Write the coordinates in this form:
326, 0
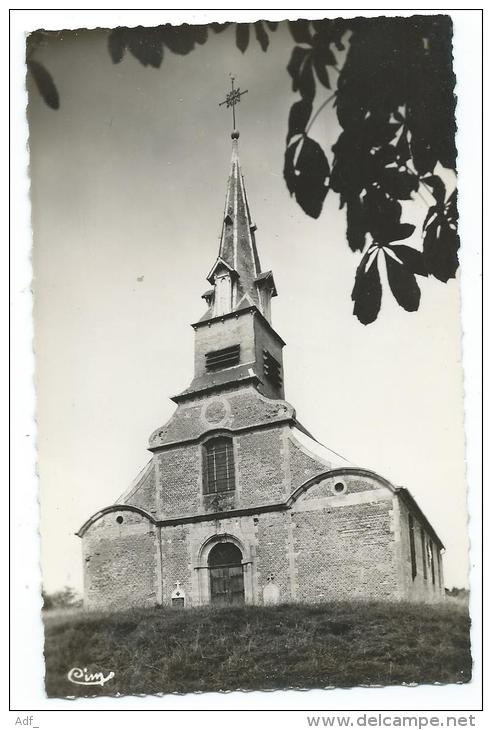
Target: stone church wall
120, 561
179, 481
274, 558
345, 544
261, 467
421, 587
176, 561
261, 476
339, 536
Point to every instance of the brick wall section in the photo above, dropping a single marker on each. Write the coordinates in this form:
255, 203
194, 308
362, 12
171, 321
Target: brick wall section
272, 553
179, 481
176, 560
345, 552
261, 464
419, 588
249, 409
120, 562
261, 467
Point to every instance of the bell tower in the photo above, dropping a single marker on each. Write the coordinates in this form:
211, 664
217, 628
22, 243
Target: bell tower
235, 342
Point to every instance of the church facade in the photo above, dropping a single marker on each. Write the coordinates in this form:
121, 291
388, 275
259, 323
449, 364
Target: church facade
239, 503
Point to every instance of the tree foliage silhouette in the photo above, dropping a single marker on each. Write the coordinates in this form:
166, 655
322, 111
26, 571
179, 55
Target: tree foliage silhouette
392, 85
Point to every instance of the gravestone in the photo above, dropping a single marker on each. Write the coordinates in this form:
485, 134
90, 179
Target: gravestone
271, 592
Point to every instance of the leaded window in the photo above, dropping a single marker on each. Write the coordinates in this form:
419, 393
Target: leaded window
219, 466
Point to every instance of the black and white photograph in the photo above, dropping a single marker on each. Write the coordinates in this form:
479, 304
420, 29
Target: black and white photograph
248, 355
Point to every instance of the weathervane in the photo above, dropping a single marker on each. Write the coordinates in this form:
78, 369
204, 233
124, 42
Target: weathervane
233, 98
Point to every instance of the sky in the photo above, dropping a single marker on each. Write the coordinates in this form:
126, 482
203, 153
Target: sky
128, 181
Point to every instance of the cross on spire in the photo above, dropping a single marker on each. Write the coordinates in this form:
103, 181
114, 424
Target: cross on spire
233, 98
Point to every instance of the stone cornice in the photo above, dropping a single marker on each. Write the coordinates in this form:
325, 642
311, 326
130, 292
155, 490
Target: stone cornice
290, 420
253, 309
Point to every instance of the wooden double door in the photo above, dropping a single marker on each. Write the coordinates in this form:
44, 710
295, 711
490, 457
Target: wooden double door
225, 563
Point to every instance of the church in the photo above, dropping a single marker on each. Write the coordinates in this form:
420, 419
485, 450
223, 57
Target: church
239, 503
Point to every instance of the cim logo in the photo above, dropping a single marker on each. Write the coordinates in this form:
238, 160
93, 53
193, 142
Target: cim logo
84, 677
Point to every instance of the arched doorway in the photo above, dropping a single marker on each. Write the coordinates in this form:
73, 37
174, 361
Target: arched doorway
226, 574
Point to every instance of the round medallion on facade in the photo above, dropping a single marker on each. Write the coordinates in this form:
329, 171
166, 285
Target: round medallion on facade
216, 412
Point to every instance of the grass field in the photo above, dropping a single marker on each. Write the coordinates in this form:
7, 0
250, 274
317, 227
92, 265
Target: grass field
328, 645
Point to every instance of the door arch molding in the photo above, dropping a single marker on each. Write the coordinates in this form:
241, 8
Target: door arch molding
226, 573
201, 572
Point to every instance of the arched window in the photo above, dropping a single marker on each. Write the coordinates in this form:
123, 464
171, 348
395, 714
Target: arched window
219, 466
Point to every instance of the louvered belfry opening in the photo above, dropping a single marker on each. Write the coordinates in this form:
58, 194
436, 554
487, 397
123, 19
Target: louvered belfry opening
272, 369
225, 358
219, 466
226, 574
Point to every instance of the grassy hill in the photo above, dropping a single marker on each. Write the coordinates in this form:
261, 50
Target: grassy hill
251, 647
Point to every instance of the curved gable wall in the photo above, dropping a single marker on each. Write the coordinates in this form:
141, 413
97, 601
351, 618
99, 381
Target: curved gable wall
120, 561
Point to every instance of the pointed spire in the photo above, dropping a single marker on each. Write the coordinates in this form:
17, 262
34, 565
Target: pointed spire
236, 274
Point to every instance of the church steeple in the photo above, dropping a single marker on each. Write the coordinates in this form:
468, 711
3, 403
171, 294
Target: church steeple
236, 274
235, 343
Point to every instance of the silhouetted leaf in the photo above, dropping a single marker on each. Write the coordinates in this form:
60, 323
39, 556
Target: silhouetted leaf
146, 45
182, 39
441, 244
356, 224
322, 73
399, 184
219, 27
117, 40
301, 70
382, 215
397, 233
328, 31
433, 211
261, 35
437, 186
299, 115
306, 172
351, 166
307, 86
413, 259
44, 82
242, 36
289, 168
403, 284
300, 30
451, 208
402, 148
367, 291
423, 155
323, 53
